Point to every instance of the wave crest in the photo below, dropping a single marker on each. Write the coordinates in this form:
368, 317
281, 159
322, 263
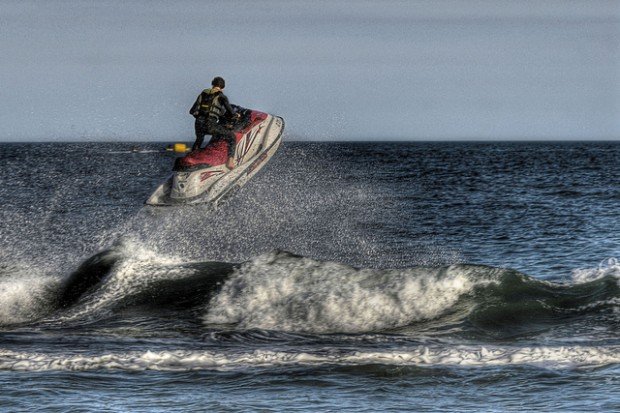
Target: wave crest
285, 292
607, 268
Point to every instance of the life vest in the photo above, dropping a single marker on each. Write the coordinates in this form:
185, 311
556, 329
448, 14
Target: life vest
210, 105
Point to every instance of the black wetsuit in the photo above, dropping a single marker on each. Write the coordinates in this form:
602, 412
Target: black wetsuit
209, 109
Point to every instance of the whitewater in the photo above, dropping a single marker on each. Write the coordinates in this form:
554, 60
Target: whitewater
361, 276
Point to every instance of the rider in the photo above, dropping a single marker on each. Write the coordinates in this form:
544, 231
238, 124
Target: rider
209, 109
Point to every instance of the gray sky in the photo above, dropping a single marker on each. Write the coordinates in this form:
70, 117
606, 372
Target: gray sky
380, 70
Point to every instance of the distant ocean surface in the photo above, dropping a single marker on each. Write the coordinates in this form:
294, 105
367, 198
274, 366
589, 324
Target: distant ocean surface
452, 277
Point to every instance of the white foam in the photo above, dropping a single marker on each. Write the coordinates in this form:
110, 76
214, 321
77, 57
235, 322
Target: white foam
24, 295
422, 356
608, 267
287, 293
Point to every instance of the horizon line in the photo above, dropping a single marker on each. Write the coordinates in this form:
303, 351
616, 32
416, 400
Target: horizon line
337, 140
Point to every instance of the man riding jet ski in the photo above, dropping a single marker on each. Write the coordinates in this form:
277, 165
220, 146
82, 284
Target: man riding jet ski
210, 110
243, 140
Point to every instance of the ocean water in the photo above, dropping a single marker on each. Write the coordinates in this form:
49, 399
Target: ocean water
345, 276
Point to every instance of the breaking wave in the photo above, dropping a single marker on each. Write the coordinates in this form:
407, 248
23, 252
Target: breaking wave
279, 291
607, 268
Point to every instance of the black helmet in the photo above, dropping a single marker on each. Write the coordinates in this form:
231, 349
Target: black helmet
218, 82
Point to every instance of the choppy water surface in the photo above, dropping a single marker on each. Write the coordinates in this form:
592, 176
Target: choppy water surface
360, 276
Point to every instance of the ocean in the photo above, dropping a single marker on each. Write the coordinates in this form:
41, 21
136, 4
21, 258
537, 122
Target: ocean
345, 276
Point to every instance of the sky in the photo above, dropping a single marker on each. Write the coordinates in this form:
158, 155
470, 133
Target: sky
334, 70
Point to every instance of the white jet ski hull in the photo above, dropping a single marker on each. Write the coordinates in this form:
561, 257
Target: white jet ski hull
211, 184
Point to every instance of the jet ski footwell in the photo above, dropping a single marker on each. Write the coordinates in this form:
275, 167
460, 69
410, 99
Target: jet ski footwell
202, 176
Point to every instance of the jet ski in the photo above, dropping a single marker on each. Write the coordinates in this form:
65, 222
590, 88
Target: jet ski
202, 176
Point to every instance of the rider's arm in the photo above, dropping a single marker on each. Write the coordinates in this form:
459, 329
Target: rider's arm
224, 101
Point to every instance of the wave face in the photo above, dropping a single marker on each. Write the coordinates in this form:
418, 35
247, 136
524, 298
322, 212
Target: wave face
129, 275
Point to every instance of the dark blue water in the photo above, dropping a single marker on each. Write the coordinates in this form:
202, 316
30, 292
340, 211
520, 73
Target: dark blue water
358, 276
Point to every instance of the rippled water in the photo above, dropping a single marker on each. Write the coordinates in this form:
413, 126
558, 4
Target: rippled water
360, 276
